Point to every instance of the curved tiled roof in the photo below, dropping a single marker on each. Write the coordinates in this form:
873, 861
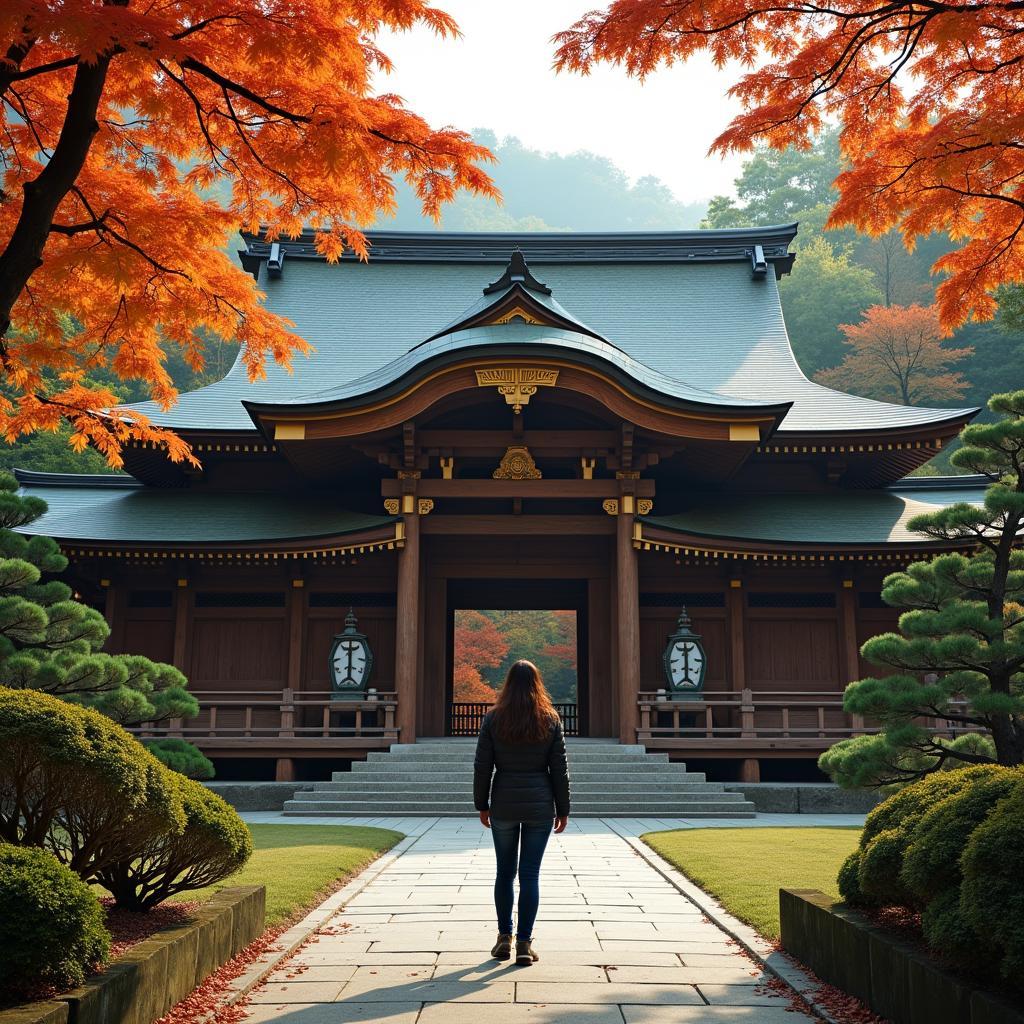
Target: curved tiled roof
684, 307
112, 508
848, 517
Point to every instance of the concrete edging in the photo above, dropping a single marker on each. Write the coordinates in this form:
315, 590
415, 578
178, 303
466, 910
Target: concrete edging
143, 984
895, 978
771, 959
288, 942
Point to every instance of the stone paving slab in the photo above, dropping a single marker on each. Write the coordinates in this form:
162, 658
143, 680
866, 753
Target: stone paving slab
618, 945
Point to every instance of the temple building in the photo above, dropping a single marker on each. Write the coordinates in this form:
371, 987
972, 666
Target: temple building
613, 424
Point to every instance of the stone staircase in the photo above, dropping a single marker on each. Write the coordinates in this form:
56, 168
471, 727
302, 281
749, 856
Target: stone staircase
435, 777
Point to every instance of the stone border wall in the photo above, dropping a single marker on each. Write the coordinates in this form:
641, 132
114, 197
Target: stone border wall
143, 984
894, 978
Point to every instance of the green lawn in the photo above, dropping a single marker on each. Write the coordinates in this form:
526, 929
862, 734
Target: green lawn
744, 868
297, 863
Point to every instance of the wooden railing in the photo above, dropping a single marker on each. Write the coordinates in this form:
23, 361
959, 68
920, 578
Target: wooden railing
286, 717
464, 717
757, 718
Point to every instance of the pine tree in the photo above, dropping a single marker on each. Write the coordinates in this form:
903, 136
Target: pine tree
53, 643
959, 654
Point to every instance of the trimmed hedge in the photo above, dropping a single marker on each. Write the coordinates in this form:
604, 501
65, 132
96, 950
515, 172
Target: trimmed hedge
183, 757
952, 848
214, 844
76, 783
51, 924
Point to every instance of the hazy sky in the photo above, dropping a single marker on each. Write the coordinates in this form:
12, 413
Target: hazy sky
498, 76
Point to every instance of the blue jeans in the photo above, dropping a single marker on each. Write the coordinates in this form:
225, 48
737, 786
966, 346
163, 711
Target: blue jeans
518, 844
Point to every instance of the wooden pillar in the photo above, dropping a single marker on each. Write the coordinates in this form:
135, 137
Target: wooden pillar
737, 650
407, 618
181, 626
285, 770
851, 649
296, 626
628, 620
750, 770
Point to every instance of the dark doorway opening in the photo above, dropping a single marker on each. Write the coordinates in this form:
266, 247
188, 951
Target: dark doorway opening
563, 598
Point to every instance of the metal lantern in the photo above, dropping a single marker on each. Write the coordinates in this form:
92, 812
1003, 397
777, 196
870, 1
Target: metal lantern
351, 661
685, 661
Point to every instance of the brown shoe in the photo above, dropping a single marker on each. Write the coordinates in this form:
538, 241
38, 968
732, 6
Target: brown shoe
502, 948
525, 953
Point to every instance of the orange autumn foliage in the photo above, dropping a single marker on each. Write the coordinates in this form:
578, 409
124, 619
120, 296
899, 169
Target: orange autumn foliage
468, 685
928, 96
137, 138
897, 356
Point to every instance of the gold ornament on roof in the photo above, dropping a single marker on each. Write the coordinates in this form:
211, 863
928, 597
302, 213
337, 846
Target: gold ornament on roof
517, 383
392, 506
517, 464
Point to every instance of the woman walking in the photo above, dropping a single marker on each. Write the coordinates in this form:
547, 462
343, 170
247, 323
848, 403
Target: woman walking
521, 745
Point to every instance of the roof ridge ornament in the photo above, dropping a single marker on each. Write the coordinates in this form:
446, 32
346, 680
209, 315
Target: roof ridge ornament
517, 272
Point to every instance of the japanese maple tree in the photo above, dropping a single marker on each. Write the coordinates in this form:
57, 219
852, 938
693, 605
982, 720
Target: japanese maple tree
927, 95
136, 138
896, 355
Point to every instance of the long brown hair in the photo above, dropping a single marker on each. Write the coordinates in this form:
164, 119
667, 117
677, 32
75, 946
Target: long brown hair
524, 712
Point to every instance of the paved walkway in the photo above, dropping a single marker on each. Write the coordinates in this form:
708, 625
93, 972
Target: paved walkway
618, 943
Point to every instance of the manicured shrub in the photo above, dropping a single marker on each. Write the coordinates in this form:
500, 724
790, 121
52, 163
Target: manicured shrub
947, 930
992, 892
182, 756
76, 783
890, 828
931, 864
51, 924
214, 844
849, 880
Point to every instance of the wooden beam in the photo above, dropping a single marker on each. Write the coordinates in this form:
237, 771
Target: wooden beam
737, 650
545, 489
407, 618
468, 440
181, 626
505, 525
296, 624
851, 649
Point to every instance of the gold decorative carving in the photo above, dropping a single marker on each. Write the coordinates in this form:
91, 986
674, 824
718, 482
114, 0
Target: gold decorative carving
611, 506
587, 466
447, 467
391, 506
517, 464
517, 383
424, 506
644, 506
627, 474
409, 474
517, 313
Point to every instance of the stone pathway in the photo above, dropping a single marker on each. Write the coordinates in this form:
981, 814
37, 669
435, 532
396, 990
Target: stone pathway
618, 944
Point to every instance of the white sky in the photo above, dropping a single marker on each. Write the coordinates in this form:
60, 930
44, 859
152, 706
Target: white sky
498, 76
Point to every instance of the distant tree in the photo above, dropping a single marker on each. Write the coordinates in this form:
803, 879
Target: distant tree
959, 653
478, 644
136, 138
725, 212
1010, 317
469, 686
897, 355
825, 289
52, 643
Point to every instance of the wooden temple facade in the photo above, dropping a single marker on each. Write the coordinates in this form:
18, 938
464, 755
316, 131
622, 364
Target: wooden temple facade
613, 424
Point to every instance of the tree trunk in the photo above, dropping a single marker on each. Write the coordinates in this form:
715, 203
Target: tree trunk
24, 251
1008, 736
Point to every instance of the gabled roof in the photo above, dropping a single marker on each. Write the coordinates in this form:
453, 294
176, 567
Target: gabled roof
699, 308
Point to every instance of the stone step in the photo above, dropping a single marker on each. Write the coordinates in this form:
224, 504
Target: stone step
636, 796
629, 808
428, 753
466, 786
575, 764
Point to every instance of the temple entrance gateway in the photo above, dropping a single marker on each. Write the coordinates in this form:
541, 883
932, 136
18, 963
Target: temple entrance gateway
488, 618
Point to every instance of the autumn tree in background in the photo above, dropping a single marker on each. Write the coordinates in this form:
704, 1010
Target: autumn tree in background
137, 138
897, 355
927, 96
478, 645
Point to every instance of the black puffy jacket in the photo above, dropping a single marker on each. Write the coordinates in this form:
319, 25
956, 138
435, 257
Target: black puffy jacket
531, 780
